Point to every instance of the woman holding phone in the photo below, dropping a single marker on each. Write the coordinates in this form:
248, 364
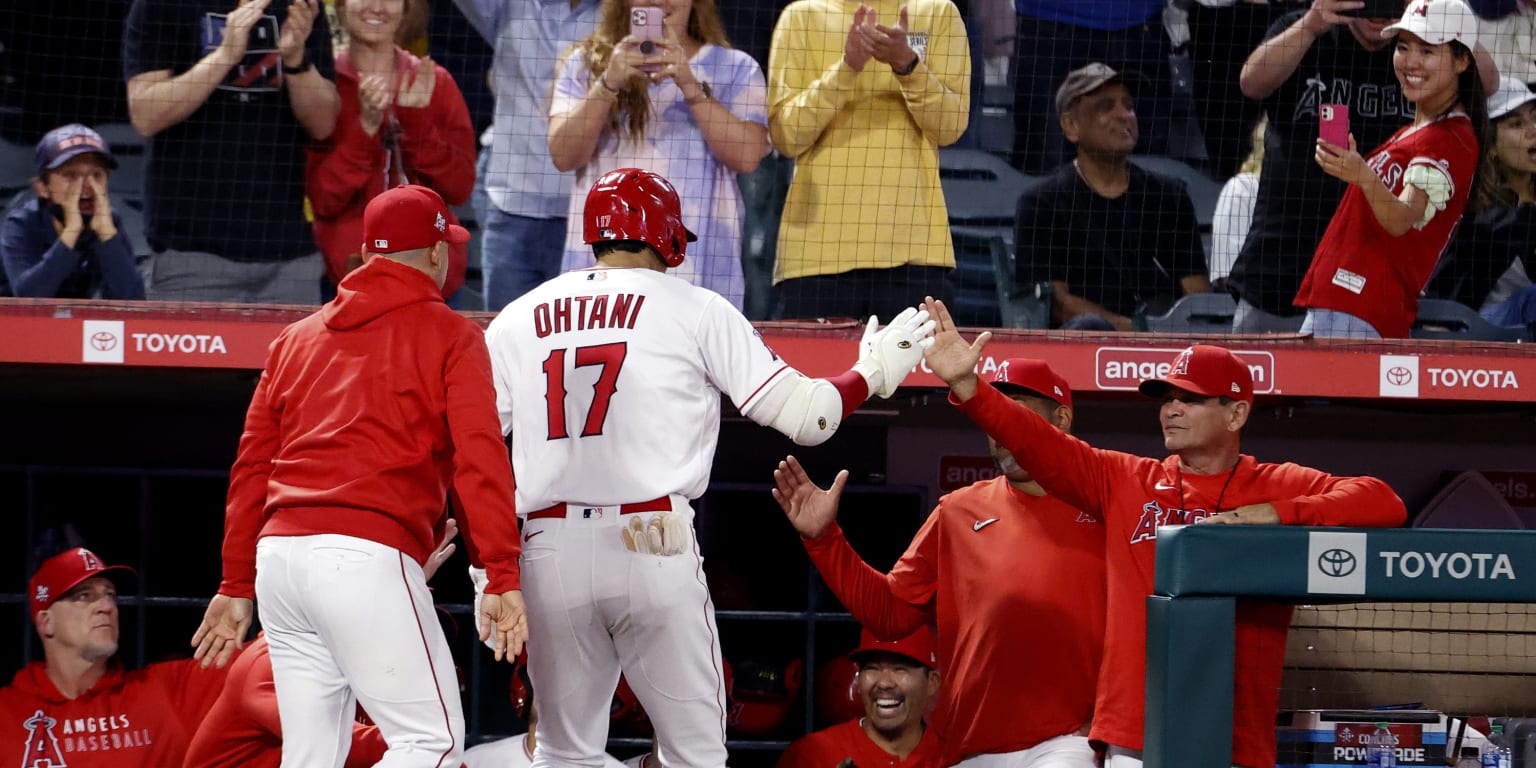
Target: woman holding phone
676, 100
1404, 200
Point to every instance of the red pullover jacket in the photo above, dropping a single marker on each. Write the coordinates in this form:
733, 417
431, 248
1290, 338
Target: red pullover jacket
1134, 495
366, 413
128, 719
344, 172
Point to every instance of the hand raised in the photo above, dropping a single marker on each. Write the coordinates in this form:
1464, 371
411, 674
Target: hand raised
857, 47
295, 32
373, 98
888, 45
417, 93
811, 510
238, 24
951, 357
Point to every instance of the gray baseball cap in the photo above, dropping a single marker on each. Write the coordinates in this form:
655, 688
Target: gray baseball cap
1085, 80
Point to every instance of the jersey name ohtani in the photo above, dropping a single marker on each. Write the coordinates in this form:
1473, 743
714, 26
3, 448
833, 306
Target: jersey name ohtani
584, 313
1153, 515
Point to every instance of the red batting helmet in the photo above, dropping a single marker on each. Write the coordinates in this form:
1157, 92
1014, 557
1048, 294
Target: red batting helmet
837, 697
520, 691
762, 694
636, 204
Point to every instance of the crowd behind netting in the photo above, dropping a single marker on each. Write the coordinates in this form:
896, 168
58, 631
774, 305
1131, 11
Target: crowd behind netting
1343, 168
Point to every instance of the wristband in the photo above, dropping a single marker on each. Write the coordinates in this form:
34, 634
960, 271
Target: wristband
304, 66
606, 86
907, 70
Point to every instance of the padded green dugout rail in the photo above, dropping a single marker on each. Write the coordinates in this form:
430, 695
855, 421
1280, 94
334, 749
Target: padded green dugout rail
1202, 570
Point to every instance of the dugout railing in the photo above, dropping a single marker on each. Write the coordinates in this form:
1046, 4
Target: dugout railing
1202, 571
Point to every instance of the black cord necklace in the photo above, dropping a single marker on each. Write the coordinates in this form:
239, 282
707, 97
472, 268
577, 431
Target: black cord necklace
1231, 474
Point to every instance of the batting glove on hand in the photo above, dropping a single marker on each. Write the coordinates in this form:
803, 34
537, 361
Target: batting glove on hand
478, 577
887, 355
665, 534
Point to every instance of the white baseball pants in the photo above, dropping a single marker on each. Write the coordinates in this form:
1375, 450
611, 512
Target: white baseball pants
350, 620
1067, 751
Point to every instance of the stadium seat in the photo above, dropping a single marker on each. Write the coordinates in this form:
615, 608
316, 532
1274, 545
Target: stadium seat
1468, 501
980, 188
1018, 309
1203, 190
973, 279
1446, 319
16, 167
1196, 313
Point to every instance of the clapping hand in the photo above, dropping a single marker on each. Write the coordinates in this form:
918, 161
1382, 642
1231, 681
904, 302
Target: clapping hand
295, 32
237, 27
374, 97
888, 45
858, 47
418, 92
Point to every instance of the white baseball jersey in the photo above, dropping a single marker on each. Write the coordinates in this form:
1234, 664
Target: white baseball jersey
512, 752
608, 382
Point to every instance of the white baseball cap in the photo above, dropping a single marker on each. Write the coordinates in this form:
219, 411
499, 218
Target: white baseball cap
1436, 22
1512, 95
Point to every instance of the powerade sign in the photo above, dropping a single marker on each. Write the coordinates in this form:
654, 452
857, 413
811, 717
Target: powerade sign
1341, 563
1334, 744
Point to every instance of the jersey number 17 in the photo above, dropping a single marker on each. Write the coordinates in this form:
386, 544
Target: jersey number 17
611, 358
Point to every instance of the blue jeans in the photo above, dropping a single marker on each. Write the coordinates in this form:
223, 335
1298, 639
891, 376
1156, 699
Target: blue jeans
1517, 311
517, 254
1333, 324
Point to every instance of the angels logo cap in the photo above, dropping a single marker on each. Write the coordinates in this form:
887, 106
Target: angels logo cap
406, 218
1205, 370
1035, 377
67, 570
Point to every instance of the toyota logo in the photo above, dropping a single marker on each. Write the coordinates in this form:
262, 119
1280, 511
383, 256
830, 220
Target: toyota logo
1336, 562
103, 341
1397, 376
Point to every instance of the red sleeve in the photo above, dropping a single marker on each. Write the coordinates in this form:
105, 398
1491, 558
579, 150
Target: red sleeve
337, 171
368, 746
439, 141
914, 579
1349, 501
1066, 467
868, 594
245, 508
810, 751
191, 689
482, 472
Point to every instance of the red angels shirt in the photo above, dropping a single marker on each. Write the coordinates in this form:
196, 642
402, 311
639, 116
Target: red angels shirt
129, 719
988, 567
826, 748
1134, 495
242, 728
1360, 268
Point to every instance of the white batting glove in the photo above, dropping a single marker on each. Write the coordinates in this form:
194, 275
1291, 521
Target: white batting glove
887, 355
665, 534
478, 577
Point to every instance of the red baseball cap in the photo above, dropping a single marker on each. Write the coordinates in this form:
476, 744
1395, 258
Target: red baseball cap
67, 570
1205, 370
917, 646
1035, 376
408, 217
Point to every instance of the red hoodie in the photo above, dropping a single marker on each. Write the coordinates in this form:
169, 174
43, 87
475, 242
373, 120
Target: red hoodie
367, 412
344, 172
126, 720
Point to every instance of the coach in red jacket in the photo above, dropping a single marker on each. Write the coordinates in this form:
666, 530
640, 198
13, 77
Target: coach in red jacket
402, 121
365, 416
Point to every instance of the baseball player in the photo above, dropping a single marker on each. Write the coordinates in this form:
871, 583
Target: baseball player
366, 414
608, 381
1206, 398
78, 706
242, 729
994, 560
895, 683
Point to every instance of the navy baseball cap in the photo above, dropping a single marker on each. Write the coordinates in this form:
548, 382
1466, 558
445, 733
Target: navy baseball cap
67, 142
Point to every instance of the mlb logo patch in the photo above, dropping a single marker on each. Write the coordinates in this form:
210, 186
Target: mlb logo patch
381, 243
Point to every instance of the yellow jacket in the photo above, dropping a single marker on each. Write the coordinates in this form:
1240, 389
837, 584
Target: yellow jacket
866, 144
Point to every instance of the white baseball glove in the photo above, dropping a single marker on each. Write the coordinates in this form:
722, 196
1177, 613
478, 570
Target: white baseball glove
478, 577
888, 354
665, 534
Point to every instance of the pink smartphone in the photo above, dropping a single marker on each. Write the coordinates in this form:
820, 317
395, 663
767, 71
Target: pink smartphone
1333, 124
645, 23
